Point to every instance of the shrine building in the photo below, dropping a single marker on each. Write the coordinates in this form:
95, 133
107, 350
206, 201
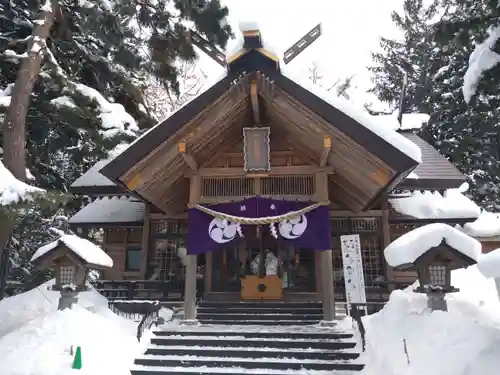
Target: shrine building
252, 185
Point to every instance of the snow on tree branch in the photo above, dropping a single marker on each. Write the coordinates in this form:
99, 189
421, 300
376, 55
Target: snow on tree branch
482, 59
14, 191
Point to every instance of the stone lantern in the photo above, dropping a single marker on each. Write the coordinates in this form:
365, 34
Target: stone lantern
434, 272
433, 251
71, 257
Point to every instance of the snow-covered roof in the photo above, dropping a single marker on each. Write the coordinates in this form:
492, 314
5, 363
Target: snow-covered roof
356, 112
111, 210
489, 264
487, 225
410, 246
84, 249
12, 190
92, 177
453, 204
410, 121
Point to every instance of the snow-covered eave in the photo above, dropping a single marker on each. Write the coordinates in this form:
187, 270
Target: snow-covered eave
77, 259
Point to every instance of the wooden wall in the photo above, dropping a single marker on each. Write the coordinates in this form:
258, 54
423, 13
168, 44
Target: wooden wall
116, 241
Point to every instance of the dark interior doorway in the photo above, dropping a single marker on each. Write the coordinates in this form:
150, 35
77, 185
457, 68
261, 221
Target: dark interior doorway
296, 266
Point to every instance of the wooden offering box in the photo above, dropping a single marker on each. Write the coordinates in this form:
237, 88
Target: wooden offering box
255, 287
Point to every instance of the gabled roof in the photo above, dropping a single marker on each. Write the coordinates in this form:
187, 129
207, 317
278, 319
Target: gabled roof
360, 133
110, 211
435, 171
93, 182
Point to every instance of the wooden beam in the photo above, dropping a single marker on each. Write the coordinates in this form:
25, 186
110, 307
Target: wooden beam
255, 102
181, 147
327, 147
275, 171
347, 213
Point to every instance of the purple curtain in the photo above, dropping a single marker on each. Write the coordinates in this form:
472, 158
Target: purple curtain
206, 233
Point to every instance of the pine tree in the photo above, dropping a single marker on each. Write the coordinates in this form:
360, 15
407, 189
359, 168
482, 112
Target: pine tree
414, 55
89, 96
435, 52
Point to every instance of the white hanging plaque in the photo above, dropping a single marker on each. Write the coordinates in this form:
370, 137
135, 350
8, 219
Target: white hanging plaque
353, 269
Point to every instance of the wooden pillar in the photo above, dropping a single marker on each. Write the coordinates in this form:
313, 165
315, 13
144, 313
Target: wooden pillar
146, 235
191, 262
326, 258
386, 235
208, 272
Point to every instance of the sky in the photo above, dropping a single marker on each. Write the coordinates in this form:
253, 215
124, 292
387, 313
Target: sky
351, 31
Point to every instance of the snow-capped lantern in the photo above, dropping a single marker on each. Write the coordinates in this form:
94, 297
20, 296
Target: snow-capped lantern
433, 251
71, 257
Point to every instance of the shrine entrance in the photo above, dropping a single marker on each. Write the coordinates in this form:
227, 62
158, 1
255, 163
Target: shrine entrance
260, 254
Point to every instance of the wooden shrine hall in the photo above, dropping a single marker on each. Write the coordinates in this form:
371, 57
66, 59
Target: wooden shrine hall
250, 186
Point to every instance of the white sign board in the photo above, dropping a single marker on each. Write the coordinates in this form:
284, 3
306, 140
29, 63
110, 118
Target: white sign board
353, 269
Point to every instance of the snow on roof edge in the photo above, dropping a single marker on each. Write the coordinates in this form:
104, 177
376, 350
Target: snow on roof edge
83, 248
410, 246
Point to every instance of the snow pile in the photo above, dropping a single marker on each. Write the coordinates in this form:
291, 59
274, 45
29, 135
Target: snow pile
432, 205
43, 345
463, 341
482, 59
489, 264
486, 225
410, 246
18, 310
12, 190
83, 248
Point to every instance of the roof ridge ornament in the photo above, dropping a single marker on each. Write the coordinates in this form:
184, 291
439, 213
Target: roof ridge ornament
302, 43
252, 40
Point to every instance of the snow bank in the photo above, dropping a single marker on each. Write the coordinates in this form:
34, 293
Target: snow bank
85, 249
481, 60
486, 225
42, 346
432, 205
463, 341
410, 246
36, 339
12, 190
18, 310
489, 264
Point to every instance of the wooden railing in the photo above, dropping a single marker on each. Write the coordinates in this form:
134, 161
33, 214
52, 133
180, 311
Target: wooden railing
149, 318
139, 290
377, 293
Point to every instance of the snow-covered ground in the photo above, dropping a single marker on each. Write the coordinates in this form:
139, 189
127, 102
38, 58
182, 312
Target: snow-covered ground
463, 341
36, 339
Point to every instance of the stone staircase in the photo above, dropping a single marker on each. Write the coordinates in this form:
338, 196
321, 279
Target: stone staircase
261, 313
239, 350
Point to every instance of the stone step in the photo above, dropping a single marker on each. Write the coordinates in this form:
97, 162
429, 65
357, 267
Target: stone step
261, 322
259, 310
255, 353
151, 370
261, 304
273, 334
246, 363
273, 316
242, 342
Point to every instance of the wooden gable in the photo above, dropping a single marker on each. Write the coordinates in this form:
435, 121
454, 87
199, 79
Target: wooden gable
305, 131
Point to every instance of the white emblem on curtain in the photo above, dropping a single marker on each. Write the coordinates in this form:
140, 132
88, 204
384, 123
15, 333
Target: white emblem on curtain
222, 231
293, 228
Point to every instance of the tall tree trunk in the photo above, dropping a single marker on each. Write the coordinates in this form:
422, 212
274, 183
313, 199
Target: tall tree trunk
14, 125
